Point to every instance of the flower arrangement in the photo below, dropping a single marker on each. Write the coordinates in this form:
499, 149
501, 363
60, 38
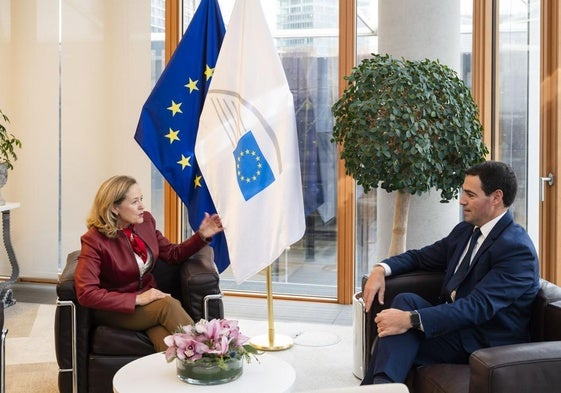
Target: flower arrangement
212, 342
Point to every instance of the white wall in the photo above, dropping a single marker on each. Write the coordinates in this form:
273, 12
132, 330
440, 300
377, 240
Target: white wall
76, 136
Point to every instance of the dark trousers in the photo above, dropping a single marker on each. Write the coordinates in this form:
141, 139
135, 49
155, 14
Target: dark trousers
393, 356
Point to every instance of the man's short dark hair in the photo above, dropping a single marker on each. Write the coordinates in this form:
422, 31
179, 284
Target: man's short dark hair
496, 175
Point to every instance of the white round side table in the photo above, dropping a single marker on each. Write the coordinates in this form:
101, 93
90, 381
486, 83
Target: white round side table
153, 374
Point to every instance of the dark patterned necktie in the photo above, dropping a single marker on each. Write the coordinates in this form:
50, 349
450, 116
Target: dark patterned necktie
462, 270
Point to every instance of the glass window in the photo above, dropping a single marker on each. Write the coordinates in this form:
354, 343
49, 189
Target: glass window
518, 99
306, 35
158, 55
366, 224
466, 40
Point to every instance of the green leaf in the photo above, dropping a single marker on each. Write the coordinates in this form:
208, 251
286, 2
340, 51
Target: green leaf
407, 125
8, 143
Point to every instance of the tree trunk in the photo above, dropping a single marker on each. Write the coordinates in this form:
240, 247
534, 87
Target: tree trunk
399, 229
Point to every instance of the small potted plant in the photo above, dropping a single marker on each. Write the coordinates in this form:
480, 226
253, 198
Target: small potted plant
8, 145
209, 352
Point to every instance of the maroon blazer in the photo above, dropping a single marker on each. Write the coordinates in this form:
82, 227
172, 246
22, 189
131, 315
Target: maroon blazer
107, 275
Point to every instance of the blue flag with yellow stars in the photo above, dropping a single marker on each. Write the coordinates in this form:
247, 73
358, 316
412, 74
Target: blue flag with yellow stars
169, 120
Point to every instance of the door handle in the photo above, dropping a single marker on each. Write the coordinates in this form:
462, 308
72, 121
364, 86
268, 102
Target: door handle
543, 180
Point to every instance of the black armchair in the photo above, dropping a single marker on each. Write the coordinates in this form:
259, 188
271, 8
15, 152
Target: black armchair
89, 356
529, 367
2, 350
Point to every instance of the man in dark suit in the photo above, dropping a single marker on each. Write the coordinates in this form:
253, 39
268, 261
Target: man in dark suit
486, 296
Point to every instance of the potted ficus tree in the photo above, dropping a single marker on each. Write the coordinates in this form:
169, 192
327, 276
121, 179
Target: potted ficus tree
8, 145
407, 126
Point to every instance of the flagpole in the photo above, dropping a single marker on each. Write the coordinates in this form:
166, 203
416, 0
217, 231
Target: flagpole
271, 341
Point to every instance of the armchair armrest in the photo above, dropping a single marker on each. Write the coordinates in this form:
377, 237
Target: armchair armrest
199, 280
67, 341
531, 367
426, 284
552, 321
3, 333
65, 287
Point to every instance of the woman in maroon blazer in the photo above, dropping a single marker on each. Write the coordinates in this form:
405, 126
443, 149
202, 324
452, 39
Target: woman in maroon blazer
119, 251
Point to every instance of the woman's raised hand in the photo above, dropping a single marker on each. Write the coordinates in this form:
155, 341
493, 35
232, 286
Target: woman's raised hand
210, 225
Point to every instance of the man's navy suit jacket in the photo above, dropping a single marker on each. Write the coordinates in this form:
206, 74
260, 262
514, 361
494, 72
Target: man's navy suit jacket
493, 303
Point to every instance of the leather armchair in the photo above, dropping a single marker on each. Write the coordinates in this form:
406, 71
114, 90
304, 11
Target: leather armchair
2, 350
529, 367
89, 356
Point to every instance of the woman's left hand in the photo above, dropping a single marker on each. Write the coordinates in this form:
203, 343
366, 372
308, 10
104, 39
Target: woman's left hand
210, 225
149, 296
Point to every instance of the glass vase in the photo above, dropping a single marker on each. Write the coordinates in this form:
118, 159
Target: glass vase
208, 372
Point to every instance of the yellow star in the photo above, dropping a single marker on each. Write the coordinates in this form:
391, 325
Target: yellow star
174, 108
192, 85
172, 135
197, 181
184, 161
209, 72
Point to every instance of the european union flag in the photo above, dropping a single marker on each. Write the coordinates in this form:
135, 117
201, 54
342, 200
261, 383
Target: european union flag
253, 170
169, 120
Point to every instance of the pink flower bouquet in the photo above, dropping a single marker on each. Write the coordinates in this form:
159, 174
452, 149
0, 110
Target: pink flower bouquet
213, 341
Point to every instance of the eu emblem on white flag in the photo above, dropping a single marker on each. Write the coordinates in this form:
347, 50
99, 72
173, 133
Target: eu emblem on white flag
254, 172
247, 145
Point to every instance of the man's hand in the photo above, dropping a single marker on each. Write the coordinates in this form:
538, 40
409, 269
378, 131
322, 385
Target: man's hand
375, 285
149, 296
392, 321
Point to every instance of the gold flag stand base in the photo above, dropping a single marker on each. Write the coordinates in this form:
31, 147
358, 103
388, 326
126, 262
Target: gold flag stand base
278, 343
271, 341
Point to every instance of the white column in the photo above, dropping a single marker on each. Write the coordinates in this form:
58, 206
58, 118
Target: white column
420, 29
415, 30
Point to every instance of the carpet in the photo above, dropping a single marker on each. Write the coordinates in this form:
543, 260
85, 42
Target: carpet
321, 355
30, 355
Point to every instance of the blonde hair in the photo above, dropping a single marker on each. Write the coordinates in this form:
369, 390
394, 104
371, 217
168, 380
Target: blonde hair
111, 192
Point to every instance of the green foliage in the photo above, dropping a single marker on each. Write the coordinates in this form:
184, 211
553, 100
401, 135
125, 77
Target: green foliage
408, 126
8, 143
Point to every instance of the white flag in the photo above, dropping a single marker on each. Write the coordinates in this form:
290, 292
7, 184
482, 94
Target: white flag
247, 145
